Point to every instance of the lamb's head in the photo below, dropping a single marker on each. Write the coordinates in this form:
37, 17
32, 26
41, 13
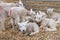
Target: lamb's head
50, 10
20, 3
32, 13
38, 17
22, 26
43, 14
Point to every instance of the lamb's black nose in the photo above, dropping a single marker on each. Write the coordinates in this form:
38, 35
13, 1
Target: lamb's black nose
23, 32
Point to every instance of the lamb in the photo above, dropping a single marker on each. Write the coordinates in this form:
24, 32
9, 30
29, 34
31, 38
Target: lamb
20, 3
22, 26
18, 14
46, 22
30, 28
49, 24
43, 14
33, 29
32, 13
38, 17
52, 14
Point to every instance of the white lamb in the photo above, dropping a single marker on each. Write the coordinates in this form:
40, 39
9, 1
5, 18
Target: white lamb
20, 3
52, 14
49, 24
43, 14
32, 13
46, 22
30, 28
17, 14
22, 26
38, 17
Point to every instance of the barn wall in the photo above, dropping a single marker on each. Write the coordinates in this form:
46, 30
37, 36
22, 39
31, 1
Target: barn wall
10, 0
41, 5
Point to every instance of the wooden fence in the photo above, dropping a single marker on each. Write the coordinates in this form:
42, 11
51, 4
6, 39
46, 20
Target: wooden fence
41, 5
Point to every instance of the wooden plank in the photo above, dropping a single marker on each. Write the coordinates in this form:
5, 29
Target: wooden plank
45, 0
44, 9
40, 5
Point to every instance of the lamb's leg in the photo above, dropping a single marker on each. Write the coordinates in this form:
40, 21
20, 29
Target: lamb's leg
23, 18
33, 33
52, 26
17, 20
51, 29
12, 23
2, 25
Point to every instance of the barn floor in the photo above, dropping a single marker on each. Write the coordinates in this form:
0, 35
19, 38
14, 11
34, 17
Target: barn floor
10, 34
17, 35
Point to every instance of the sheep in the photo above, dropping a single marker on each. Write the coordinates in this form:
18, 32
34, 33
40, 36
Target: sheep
30, 28
38, 17
18, 14
32, 13
51, 23
20, 3
22, 25
52, 14
43, 14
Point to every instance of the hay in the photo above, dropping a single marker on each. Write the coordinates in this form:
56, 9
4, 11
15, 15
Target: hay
10, 34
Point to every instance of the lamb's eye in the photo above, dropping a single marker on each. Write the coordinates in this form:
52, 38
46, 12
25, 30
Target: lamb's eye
20, 26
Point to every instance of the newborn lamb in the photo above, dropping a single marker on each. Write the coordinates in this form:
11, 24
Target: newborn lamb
29, 28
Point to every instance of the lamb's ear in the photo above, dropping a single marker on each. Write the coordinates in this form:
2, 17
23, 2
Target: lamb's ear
26, 21
31, 10
52, 9
37, 13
